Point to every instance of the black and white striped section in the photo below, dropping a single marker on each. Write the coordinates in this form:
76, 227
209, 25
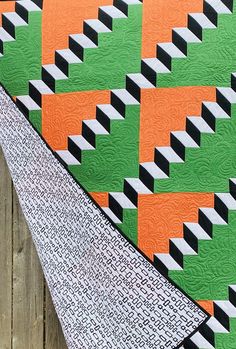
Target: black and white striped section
89, 266
78, 43
136, 82
12, 20
33, 101
224, 311
151, 67
88, 39
190, 138
193, 233
39, 3
91, 129
181, 37
151, 173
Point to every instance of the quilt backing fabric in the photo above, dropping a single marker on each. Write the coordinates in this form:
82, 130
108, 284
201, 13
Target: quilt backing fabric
117, 119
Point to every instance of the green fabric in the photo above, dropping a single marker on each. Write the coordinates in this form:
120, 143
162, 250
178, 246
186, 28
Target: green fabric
129, 225
208, 274
118, 53
227, 340
22, 58
114, 158
209, 63
207, 168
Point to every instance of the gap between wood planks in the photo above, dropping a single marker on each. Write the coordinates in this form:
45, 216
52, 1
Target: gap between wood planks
27, 317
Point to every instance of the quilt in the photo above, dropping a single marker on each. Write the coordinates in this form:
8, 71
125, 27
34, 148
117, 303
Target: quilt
117, 123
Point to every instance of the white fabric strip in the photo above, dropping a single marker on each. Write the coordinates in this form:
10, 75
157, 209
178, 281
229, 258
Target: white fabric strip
106, 294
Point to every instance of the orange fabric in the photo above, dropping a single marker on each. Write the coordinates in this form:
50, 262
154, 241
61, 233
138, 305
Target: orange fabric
208, 306
161, 217
164, 110
62, 114
6, 6
100, 198
62, 18
160, 16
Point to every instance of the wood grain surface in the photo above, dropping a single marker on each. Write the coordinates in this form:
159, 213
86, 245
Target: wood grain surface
27, 316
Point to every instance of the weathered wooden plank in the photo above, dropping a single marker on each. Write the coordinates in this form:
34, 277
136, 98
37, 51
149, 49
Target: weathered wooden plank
5, 255
28, 287
54, 338
27, 316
